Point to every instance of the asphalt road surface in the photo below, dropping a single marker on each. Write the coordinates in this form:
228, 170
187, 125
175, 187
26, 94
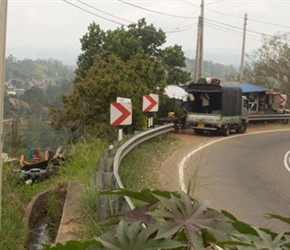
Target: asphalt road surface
246, 176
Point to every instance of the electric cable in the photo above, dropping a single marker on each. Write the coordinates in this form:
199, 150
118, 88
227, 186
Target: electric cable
153, 11
90, 6
274, 24
230, 31
76, 6
229, 25
249, 19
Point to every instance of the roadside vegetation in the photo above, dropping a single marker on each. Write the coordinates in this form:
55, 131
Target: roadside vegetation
80, 164
140, 169
127, 62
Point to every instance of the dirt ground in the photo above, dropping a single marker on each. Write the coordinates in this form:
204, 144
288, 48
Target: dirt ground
188, 135
169, 172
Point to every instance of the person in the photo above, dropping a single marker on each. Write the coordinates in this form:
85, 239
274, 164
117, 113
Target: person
205, 102
183, 115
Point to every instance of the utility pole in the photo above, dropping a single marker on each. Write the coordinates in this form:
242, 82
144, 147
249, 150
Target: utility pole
199, 45
14, 137
243, 50
197, 51
3, 21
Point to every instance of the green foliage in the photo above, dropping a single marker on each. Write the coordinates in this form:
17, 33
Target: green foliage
119, 63
12, 212
75, 245
137, 172
135, 237
44, 72
26, 115
269, 66
186, 220
80, 164
82, 159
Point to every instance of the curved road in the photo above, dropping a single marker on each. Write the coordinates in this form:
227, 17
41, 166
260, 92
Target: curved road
244, 175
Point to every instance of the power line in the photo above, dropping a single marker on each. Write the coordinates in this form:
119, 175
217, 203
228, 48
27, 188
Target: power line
274, 24
90, 6
189, 3
153, 11
249, 19
230, 31
76, 6
225, 24
175, 30
185, 20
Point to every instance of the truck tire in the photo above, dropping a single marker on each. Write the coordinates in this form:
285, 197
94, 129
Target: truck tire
226, 130
242, 128
198, 131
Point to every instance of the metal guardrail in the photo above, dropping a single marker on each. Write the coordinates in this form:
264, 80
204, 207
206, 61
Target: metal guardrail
127, 147
272, 117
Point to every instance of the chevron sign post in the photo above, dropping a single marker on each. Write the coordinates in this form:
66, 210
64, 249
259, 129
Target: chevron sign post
150, 103
121, 113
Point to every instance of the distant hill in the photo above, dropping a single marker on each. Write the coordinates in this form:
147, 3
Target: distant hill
69, 56
222, 64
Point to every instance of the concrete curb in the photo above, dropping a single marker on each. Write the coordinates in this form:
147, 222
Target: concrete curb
69, 213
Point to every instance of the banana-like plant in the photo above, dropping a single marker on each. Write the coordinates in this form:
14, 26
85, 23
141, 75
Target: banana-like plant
171, 220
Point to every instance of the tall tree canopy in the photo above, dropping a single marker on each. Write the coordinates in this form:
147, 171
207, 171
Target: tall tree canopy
270, 63
118, 63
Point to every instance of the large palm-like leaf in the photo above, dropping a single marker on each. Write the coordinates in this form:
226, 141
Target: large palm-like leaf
278, 217
145, 195
264, 241
136, 237
139, 214
193, 216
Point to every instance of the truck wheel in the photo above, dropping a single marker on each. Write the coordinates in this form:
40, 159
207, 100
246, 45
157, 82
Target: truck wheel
226, 130
198, 131
242, 128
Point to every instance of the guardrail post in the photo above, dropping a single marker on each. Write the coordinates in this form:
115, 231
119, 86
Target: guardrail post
105, 180
105, 164
107, 176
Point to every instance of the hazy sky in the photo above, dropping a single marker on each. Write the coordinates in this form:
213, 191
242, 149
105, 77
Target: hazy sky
59, 24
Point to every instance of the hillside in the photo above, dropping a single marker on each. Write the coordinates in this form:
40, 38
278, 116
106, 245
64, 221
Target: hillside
32, 86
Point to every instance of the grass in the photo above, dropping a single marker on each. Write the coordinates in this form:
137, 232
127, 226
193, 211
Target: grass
139, 170
80, 164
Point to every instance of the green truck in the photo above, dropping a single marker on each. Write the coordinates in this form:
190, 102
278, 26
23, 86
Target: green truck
216, 107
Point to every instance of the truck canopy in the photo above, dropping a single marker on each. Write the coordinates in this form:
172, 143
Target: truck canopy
226, 100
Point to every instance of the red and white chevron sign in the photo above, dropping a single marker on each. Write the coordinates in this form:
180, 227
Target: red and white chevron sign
120, 113
150, 103
283, 99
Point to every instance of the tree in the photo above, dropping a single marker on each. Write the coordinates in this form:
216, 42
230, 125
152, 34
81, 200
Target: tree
269, 66
105, 81
175, 60
119, 63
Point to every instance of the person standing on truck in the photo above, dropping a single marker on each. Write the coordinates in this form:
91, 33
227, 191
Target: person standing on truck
205, 102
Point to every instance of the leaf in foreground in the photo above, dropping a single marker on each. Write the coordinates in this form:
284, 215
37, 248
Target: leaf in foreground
136, 237
264, 240
139, 214
72, 244
145, 195
185, 213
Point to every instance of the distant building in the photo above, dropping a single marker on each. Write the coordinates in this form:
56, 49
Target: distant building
261, 100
